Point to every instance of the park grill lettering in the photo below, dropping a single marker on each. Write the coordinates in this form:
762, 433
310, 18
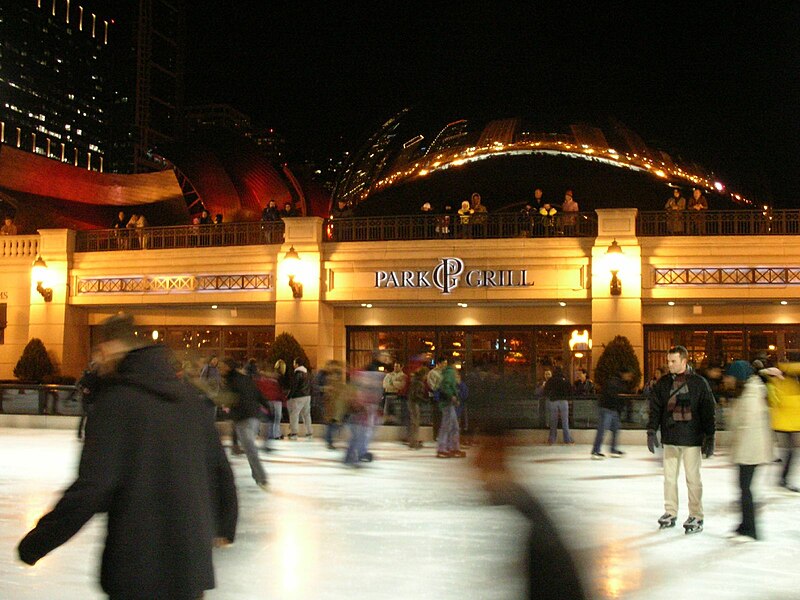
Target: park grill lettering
449, 274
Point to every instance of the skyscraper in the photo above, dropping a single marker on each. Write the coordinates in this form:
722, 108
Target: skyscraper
147, 81
53, 78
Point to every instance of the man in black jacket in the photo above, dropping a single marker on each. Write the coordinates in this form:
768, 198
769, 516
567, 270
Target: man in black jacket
245, 413
152, 460
682, 406
612, 403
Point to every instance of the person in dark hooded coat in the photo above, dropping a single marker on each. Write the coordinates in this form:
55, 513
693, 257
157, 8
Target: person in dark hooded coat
152, 461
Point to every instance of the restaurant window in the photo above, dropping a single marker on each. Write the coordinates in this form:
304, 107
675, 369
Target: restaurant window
196, 344
721, 344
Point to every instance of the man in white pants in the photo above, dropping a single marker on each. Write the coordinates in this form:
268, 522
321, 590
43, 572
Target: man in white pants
299, 402
682, 406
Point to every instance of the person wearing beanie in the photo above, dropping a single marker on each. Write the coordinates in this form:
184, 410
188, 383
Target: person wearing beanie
682, 407
752, 438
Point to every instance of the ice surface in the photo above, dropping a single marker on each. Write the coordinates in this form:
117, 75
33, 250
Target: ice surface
410, 526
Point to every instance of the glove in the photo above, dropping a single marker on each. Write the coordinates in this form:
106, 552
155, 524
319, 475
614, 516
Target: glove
652, 441
708, 446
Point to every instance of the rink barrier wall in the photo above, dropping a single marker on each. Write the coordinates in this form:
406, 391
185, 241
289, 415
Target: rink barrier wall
383, 433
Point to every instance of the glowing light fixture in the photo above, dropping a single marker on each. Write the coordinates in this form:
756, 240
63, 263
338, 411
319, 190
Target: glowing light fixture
39, 273
291, 262
614, 256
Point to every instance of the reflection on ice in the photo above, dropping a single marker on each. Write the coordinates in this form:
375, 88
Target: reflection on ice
411, 526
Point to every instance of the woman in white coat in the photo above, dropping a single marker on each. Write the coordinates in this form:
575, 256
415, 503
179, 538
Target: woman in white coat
752, 437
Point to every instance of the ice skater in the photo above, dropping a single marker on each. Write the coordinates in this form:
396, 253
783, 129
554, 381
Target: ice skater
682, 407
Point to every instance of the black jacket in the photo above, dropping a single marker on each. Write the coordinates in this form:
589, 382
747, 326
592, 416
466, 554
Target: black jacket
153, 461
249, 398
557, 387
610, 394
701, 403
301, 383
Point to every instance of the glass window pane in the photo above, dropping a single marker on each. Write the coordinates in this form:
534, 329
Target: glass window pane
207, 338
262, 339
451, 339
236, 338
391, 340
485, 340
419, 346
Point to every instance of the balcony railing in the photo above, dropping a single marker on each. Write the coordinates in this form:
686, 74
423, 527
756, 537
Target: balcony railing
719, 222
424, 227
181, 236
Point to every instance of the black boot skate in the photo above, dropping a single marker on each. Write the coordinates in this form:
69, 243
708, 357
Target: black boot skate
666, 520
693, 525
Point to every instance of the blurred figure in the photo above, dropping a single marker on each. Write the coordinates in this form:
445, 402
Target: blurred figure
153, 461
244, 412
682, 407
612, 403
557, 390
551, 571
334, 401
448, 442
784, 400
299, 400
363, 407
395, 388
86, 387
434, 380
417, 394
281, 375
752, 438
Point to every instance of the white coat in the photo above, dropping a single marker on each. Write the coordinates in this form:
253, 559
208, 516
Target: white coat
750, 425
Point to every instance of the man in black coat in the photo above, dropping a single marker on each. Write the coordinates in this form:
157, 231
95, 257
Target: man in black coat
153, 461
682, 406
245, 413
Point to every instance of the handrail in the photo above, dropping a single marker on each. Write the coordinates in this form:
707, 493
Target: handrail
718, 222
19, 245
246, 233
451, 226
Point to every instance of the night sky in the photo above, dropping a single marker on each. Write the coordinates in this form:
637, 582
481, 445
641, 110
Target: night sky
719, 84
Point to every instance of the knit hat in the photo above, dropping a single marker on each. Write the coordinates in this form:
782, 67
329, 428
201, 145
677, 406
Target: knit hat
740, 369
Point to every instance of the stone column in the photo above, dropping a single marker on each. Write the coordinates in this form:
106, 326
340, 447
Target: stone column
309, 319
617, 315
61, 327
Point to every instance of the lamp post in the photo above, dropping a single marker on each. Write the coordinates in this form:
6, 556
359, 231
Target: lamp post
39, 273
291, 263
614, 257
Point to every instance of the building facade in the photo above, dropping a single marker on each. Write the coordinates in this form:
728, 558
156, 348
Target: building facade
519, 304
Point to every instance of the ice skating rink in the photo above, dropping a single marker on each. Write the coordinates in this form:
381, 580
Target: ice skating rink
410, 526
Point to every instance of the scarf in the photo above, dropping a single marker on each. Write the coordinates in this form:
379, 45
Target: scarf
681, 409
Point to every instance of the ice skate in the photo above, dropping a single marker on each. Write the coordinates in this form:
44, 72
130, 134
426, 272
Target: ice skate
693, 525
666, 520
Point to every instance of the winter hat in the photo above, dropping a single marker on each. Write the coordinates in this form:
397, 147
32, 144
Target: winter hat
740, 369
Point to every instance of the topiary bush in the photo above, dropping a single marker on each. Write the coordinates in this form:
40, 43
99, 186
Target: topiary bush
34, 365
617, 354
287, 348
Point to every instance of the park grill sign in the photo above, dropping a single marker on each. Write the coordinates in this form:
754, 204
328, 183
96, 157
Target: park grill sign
451, 273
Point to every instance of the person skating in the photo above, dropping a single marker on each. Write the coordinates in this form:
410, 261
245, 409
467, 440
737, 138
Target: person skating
752, 438
682, 407
612, 403
449, 437
245, 412
152, 461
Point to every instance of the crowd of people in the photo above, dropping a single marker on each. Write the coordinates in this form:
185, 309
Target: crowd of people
152, 419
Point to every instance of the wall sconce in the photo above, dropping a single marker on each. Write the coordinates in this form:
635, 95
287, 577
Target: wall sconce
291, 263
39, 273
614, 257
